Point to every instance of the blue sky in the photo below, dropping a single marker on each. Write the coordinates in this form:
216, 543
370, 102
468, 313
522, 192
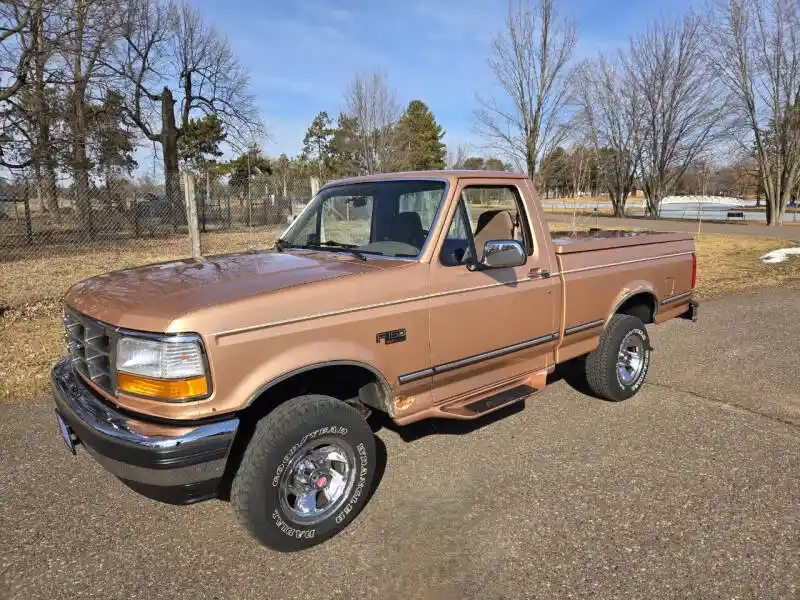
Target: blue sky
301, 54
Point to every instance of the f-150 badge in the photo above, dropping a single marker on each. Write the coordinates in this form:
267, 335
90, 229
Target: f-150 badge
391, 337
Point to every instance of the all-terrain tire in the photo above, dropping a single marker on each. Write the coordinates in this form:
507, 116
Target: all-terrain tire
603, 372
280, 440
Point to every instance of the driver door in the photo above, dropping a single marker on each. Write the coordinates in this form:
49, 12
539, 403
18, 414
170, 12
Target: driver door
495, 325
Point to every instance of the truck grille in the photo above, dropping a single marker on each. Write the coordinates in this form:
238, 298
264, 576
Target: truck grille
89, 344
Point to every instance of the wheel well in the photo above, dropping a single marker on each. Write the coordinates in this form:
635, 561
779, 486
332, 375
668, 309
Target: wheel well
641, 306
341, 381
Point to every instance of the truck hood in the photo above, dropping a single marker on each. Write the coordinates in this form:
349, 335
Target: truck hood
151, 297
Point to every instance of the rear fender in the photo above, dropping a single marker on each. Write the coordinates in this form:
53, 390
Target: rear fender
629, 291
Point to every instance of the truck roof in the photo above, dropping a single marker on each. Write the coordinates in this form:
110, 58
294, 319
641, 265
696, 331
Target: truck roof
433, 174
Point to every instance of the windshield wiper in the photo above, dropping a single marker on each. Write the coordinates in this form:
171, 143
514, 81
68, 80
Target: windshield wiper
281, 245
336, 248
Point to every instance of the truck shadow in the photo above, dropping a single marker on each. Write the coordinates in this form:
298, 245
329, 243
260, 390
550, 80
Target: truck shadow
421, 429
573, 373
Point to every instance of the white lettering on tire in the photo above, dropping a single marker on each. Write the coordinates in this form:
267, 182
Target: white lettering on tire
359, 489
291, 531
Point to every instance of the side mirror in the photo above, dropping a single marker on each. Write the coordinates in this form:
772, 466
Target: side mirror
499, 254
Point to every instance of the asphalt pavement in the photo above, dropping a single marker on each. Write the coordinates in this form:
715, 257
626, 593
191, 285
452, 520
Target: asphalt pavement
690, 489
790, 231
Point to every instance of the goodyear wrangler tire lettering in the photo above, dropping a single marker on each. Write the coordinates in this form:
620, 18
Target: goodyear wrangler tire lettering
287, 443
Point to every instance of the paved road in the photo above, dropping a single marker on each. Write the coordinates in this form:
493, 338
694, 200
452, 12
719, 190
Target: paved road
688, 490
787, 232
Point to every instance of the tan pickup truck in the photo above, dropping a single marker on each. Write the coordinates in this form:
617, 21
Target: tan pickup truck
431, 294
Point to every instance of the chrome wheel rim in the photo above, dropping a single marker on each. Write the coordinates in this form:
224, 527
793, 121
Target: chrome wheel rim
317, 480
630, 361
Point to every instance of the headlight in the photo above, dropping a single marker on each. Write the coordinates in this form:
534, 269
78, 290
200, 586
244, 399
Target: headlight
168, 369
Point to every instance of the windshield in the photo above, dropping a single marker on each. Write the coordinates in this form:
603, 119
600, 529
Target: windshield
386, 218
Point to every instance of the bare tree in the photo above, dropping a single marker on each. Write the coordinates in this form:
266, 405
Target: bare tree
610, 111
168, 46
374, 109
756, 55
43, 106
90, 33
455, 160
682, 104
530, 62
15, 53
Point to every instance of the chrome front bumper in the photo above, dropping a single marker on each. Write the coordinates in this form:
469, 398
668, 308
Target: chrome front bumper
178, 464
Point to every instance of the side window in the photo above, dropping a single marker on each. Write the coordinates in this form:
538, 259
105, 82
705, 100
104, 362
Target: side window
424, 203
484, 213
457, 245
495, 213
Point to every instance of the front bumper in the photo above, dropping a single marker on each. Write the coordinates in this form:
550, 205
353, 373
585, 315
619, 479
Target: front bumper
172, 463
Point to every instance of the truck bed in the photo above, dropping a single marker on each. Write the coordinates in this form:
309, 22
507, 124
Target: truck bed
598, 239
600, 270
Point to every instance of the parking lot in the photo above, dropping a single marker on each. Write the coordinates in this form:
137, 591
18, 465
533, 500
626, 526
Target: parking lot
688, 490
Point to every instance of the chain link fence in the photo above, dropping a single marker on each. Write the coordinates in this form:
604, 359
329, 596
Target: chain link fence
35, 222
247, 215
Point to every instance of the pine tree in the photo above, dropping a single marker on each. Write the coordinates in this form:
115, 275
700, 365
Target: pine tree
344, 146
199, 144
317, 144
420, 139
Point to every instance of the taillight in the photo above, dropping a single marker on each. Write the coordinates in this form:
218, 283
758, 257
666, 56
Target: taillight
694, 270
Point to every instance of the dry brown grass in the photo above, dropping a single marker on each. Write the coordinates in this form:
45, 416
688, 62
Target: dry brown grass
730, 263
30, 332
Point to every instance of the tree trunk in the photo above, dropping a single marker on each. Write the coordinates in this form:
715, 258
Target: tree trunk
169, 147
49, 185
80, 169
654, 196
618, 202
530, 161
108, 198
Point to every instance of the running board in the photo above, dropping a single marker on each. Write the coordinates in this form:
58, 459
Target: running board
487, 400
502, 399
476, 405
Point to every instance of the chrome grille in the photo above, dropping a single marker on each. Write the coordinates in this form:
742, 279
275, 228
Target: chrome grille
90, 347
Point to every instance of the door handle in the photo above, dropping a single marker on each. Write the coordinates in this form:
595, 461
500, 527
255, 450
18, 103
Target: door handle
539, 272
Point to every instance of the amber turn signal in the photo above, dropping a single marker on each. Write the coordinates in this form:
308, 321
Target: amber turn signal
167, 389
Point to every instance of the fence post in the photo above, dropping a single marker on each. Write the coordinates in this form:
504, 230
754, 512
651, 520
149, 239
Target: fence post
28, 223
207, 198
314, 186
191, 213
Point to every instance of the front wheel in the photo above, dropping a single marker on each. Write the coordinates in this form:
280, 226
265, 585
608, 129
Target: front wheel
305, 474
616, 369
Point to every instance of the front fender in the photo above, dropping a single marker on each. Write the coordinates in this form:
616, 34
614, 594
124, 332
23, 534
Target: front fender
303, 358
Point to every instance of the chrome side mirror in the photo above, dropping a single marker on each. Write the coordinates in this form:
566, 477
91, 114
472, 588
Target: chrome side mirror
499, 254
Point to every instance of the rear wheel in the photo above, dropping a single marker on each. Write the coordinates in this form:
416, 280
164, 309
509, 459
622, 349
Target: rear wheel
617, 368
305, 474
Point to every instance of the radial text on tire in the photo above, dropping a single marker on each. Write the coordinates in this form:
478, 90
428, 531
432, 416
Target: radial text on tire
305, 474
